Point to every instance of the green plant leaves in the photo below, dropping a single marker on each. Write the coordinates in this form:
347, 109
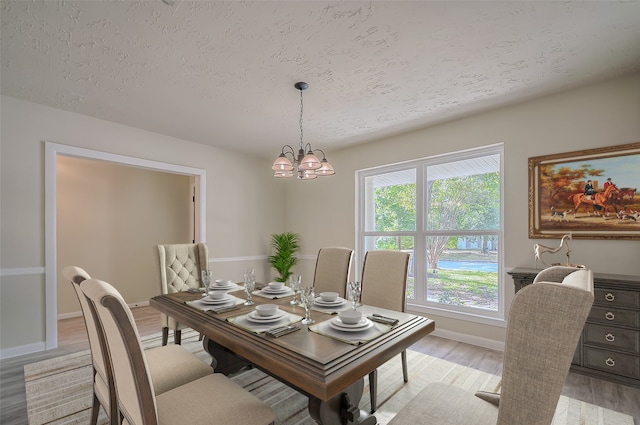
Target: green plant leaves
285, 246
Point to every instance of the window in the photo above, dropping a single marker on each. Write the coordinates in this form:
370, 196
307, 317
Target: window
446, 212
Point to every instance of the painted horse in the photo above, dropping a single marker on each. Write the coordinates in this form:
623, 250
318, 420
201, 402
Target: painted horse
599, 201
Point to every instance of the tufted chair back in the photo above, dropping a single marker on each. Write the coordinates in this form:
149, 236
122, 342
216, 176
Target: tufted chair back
179, 267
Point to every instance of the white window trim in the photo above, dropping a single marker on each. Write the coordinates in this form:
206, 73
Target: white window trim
494, 318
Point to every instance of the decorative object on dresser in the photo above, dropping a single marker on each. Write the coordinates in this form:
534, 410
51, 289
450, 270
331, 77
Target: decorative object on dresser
609, 348
539, 249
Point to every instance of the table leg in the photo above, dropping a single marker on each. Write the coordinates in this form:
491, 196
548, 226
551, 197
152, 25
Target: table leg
343, 409
222, 360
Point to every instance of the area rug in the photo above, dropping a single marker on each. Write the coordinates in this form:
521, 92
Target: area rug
59, 390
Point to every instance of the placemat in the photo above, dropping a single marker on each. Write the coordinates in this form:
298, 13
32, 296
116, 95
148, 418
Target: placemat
353, 338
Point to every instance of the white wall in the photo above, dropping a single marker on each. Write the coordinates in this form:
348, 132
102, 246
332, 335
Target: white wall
109, 216
244, 204
598, 115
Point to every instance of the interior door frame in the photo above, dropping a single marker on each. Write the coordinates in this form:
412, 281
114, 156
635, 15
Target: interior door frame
52, 150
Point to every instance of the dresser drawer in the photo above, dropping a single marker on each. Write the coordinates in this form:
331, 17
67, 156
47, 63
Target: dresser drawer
610, 337
621, 364
616, 297
614, 316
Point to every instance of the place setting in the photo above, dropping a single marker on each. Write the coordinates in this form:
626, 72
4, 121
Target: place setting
352, 327
330, 302
274, 290
268, 318
217, 301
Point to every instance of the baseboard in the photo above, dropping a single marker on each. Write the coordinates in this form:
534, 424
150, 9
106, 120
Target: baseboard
79, 313
21, 350
470, 339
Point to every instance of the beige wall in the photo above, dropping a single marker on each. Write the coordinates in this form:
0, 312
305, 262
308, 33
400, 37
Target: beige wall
244, 203
598, 115
108, 218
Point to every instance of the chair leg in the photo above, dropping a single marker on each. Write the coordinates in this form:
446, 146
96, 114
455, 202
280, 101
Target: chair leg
200, 337
165, 335
95, 410
405, 373
373, 390
177, 336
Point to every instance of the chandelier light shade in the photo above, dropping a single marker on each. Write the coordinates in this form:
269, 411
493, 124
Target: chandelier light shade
305, 165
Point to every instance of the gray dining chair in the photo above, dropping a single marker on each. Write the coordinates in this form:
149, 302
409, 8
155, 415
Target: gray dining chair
212, 399
170, 366
332, 270
544, 326
179, 268
384, 284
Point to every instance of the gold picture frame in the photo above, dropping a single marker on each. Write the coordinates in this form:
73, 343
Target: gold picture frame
560, 204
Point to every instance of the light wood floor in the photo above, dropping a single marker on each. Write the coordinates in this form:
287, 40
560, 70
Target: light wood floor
72, 337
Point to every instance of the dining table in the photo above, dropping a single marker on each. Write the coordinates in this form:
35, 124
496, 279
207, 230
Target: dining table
319, 361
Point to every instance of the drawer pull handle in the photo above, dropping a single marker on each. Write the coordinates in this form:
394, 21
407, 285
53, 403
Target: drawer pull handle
609, 315
610, 362
610, 337
609, 297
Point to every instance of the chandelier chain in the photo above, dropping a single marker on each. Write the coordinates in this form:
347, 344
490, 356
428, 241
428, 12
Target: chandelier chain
301, 109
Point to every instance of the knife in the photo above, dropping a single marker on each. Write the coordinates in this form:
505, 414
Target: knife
383, 319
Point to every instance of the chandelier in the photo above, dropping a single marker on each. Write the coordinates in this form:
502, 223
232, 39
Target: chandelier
305, 163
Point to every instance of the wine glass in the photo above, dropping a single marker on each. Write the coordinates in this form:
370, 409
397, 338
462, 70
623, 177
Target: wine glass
294, 284
354, 290
307, 294
207, 277
249, 284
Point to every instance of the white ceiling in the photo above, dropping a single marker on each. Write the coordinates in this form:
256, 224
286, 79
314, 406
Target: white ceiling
222, 73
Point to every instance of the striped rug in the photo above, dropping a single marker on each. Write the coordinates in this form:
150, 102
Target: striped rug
59, 390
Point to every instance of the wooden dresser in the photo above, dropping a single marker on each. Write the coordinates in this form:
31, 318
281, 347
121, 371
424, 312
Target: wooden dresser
610, 344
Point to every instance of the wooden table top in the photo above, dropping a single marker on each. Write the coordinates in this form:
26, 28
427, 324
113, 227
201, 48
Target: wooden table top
314, 364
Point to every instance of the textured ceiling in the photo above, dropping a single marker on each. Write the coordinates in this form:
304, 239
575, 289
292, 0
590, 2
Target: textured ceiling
222, 73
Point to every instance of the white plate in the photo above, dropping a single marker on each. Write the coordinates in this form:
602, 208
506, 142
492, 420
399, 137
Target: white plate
256, 318
363, 325
336, 303
268, 290
229, 286
222, 300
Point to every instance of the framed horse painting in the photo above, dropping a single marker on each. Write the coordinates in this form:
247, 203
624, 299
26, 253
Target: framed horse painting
590, 194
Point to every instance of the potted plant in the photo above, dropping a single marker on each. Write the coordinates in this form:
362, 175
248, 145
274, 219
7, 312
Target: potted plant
285, 246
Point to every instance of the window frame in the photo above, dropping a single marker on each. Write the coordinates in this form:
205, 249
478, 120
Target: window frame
420, 234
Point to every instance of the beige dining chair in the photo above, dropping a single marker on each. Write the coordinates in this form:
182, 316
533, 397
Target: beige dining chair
180, 269
212, 399
170, 366
332, 270
384, 284
544, 326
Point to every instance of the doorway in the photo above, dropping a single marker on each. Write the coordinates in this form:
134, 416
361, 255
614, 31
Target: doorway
53, 152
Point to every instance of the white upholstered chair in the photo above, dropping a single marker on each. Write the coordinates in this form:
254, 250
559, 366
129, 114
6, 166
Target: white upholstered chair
161, 360
332, 270
544, 326
384, 284
212, 399
179, 268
